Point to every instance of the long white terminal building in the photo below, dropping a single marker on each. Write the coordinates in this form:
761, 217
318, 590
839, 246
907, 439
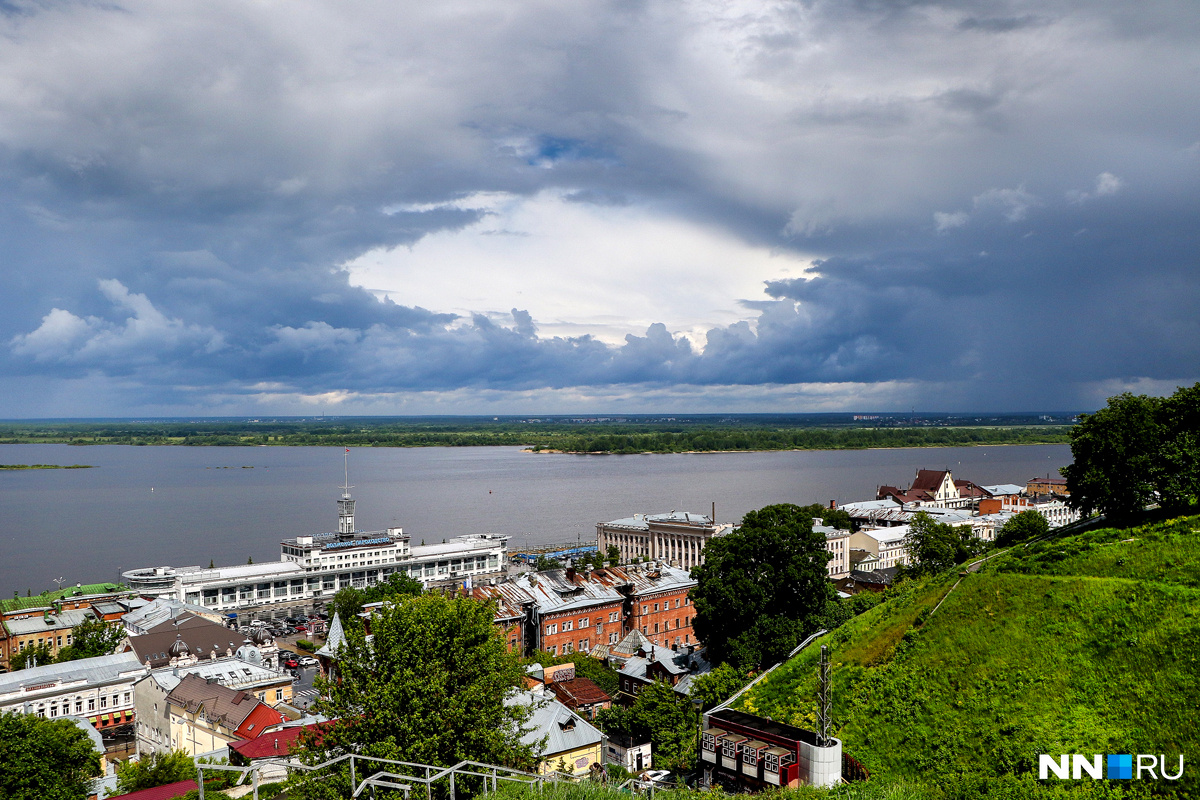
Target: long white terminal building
316, 567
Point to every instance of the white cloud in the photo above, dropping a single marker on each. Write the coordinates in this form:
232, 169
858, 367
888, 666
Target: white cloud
145, 332
1013, 204
578, 268
1107, 185
947, 221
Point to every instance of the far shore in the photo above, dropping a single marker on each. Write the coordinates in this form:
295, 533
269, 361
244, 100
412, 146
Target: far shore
47, 466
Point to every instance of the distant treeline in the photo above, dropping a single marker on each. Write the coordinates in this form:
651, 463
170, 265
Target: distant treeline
657, 436
807, 439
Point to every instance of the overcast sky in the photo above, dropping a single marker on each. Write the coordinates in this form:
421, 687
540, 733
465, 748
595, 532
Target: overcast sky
538, 207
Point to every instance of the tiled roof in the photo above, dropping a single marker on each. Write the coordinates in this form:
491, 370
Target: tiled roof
276, 744
928, 480
165, 792
261, 717
579, 692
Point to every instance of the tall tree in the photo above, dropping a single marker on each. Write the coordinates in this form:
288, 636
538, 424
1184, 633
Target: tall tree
1114, 452
429, 687
1177, 461
44, 759
38, 654
1022, 527
662, 717
157, 769
762, 588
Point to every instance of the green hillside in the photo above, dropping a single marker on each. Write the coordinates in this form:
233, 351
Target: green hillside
1085, 644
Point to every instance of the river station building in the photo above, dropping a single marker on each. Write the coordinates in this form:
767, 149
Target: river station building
316, 567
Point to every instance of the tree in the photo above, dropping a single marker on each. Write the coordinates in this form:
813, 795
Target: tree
41, 654
762, 588
1022, 527
542, 564
157, 769
935, 546
662, 716
347, 604
44, 759
715, 687
1114, 454
428, 688
1177, 461
92, 637
614, 554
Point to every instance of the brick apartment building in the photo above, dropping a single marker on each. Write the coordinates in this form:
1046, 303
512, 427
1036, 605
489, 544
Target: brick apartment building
564, 611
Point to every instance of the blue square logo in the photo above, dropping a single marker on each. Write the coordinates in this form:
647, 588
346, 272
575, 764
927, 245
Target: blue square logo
1120, 767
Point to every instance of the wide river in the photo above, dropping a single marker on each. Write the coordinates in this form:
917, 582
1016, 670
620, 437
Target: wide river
152, 506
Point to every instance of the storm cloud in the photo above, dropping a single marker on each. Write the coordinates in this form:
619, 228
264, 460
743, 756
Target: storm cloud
232, 208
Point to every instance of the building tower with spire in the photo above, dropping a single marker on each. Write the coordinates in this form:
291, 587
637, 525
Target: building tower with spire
346, 503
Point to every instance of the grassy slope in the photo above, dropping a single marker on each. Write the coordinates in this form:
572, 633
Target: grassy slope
1089, 644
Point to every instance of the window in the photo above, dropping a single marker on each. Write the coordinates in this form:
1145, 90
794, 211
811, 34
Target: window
552, 650
78, 706
644, 610
104, 701
91, 704
612, 638
566, 625
677, 602
656, 627
677, 623
552, 628
584, 644
583, 623
127, 698
567, 648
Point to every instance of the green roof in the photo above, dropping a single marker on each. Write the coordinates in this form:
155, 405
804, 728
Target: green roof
46, 598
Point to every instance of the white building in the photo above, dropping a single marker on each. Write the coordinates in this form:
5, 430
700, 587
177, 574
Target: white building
677, 538
98, 689
1056, 512
837, 542
886, 544
316, 567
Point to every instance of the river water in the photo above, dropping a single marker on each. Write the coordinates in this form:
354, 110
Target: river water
153, 506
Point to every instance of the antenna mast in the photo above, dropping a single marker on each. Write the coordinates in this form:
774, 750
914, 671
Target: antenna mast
346, 503
824, 701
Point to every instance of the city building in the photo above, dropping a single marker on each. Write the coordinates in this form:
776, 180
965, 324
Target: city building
204, 715
837, 542
1047, 485
887, 545
571, 744
677, 538
575, 610
187, 639
630, 753
316, 567
245, 672
1055, 510
676, 667
98, 689
50, 627
935, 487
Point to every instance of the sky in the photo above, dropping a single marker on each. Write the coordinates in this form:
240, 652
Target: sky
268, 208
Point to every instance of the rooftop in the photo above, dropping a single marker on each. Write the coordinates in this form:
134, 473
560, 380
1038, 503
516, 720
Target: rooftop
92, 670
39, 624
43, 600
564, 729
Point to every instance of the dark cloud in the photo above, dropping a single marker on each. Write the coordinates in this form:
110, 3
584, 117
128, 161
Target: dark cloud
1001, 197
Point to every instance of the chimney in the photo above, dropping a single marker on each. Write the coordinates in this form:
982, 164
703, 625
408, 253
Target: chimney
570, 573
833, 504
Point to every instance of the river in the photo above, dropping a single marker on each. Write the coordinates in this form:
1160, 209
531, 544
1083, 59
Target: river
152, 506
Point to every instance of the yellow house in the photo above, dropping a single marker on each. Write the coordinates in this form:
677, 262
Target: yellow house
569, 740
206, 716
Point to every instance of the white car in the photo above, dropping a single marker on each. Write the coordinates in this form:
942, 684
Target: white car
308, 661
658, 776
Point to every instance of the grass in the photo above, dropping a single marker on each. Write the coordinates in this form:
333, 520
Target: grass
1084, 644
45, 466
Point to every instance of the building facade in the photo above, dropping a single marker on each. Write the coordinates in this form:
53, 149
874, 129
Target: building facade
677, 538
316, 567
98, 689
49, 627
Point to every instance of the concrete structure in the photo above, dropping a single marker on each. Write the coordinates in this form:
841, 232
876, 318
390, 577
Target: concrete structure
316, 567
629, 753
567, 610
186, 640
570, 741
756, 753
245, 672
677, 538
98, 689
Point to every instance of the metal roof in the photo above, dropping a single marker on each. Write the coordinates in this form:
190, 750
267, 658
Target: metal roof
61, 621
564, 730
101, 669
234, 673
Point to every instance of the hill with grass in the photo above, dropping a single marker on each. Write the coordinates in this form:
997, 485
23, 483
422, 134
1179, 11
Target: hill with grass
1087, 643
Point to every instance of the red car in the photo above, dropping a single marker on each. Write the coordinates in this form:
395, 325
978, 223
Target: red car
301, 629
291, 663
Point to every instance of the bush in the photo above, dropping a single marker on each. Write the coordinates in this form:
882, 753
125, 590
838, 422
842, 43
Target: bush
306, 646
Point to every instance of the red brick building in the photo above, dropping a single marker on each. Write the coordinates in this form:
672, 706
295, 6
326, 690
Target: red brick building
564, 611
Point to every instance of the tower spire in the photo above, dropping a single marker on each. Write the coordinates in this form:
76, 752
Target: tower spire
346, 503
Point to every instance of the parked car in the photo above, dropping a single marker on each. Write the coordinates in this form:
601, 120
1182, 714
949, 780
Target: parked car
292, 663
308, 661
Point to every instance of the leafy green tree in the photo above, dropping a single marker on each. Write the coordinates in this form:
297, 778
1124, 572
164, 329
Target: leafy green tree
935, 546
1022, 527
428, 688
664, 717
715, 687
1114, 452
1177, 461
348, 604
39, 654
92, 637
614, 554
45, 759
156, 769
762, 588
542, 564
